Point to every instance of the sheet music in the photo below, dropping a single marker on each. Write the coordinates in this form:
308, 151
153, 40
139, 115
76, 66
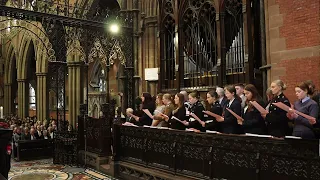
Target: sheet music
212, 114
177, 119
292, 137
305, 115
195, 116
283, 106
234, 114
258, 135
213, 132
259, 107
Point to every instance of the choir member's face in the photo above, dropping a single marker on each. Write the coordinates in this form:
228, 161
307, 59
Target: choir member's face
248, 95
229, 95
176, 99
142, 98
158, 100
192, 100
210, 99
301, 94
275, 89
239, 90
165, 101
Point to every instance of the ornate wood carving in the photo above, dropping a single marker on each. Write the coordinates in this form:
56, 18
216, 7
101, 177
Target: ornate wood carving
208, 156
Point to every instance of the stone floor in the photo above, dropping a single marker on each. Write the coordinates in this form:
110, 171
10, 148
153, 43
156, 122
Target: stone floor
46, 170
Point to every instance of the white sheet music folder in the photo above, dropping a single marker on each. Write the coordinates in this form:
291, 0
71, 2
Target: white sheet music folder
214, 132
258, 135
292, 137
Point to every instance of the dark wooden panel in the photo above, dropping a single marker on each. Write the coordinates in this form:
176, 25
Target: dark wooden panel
207, 156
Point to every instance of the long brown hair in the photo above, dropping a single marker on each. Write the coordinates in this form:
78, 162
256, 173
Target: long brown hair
159, 96
255, 95
181, 102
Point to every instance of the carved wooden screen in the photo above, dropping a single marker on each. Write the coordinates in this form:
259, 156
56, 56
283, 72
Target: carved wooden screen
167, 56
198, 44
234, 41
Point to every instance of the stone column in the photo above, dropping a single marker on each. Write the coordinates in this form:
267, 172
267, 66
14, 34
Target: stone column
135, 14
23, 97
248, 41
7, 109
151, 23
74, 89
41, 96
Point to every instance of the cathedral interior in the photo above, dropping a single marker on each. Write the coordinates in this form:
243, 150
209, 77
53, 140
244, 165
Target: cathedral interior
84, 62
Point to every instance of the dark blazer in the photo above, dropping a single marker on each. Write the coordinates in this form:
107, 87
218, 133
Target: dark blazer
145, 119
277, 120
180, 114
302, 127
316, 98
253, 121
197, 109
224, 102
211, 122
230, 123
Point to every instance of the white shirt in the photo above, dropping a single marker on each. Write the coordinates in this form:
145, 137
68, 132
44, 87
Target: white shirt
51, 135
220, 100
230, 102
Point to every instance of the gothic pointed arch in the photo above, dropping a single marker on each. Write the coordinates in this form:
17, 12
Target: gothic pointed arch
167, 45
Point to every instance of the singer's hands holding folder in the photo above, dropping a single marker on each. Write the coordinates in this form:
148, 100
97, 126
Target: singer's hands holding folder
293, 114
218, 117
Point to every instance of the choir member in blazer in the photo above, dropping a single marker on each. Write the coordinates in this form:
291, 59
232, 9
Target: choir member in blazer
147, 103
167, 101
197, 109
214, 107
222, 98
276, 119
303, 127
314, 95
240, 92
179, 113
229, 123
253, 121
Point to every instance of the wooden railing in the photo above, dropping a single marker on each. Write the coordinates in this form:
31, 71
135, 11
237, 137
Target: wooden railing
95, 133
32, 149
209, 156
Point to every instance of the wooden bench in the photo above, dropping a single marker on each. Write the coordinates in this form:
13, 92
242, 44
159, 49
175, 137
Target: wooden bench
34, 149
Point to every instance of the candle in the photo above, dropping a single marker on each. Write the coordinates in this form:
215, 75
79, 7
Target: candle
1, 112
